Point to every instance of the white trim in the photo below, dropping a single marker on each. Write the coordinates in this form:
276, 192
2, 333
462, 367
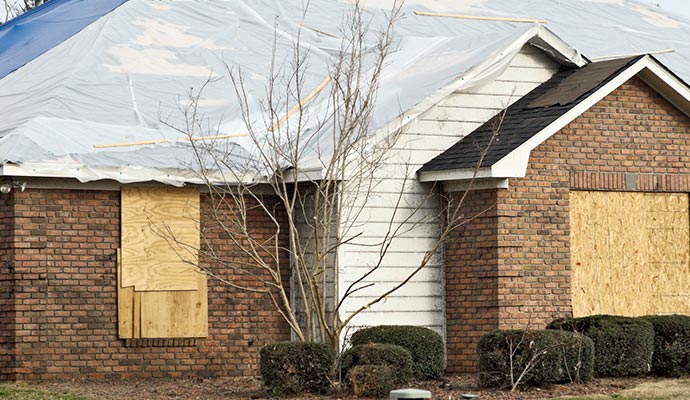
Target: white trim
461, 186
303, 175
514, 164
559, 50
71, 184
109, 185
454, 175
171, 176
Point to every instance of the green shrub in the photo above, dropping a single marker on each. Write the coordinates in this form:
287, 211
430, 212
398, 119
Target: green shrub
290, 368
546, 357
425, 346
622, 345
391, 355
671, 344
371, 380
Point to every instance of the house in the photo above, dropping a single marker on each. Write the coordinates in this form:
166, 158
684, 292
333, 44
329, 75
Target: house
569, 154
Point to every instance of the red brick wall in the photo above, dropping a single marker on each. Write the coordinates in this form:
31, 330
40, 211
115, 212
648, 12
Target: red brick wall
6, 289
65, 243
631, 131
471, 258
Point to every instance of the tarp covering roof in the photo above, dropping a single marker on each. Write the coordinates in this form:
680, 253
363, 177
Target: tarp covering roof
126, 73
37, 31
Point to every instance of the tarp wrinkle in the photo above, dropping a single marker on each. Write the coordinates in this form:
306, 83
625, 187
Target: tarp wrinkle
76, 75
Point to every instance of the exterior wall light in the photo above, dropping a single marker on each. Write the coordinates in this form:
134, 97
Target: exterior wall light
7, 187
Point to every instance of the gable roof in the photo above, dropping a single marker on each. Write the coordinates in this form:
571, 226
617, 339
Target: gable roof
526, 117
503, 144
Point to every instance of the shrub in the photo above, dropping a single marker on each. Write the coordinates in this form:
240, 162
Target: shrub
425, 346
545, 357
622, 345
391, 355
290, 368
671, 344
371, 380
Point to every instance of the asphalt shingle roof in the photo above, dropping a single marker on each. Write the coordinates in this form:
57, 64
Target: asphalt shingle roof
528, 116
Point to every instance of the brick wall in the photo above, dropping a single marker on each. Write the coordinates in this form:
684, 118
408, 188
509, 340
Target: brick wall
471, 258
65, 243
6, 289
631, 131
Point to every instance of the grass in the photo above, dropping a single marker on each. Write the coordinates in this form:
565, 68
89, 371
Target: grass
13, 392
661, 390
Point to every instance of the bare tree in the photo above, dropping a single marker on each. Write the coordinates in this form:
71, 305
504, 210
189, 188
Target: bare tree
14, 8
324, 171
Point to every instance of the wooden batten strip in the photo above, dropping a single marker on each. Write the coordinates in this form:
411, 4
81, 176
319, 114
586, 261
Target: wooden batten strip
302, 103
617, 56
481, 18
148, 142
275, 126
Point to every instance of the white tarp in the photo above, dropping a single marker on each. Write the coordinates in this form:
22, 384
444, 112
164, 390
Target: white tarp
128, 77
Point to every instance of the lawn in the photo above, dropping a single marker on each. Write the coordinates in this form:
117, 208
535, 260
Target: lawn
17, 393
661, 390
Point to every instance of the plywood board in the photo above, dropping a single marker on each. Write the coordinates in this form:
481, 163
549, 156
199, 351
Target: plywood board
162, 314
125, 304
175, 314
629, 253
160, 238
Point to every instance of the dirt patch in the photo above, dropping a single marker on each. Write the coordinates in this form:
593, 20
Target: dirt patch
250, 388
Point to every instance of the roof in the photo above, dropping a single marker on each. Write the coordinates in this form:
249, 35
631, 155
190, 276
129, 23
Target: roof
124, 71
518, 123
550, 109
33, 33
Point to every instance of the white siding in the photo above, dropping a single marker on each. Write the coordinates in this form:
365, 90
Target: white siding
422, 302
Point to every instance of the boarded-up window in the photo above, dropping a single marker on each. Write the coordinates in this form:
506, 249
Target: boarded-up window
629, 253
161, 291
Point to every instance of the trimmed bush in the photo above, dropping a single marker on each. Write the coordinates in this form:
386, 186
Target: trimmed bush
290, 368
546, 357
671, 344
622, 345
371, 380
425, 346
391, 355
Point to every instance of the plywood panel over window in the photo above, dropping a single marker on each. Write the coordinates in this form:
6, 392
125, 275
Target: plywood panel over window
629, 253
160, 238
161, 291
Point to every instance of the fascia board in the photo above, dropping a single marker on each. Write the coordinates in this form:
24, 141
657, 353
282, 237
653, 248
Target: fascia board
303, 175
454, 175
558, 49
173, 177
